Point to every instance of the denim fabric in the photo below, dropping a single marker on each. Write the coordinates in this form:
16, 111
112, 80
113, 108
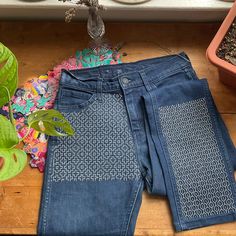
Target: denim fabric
149, 125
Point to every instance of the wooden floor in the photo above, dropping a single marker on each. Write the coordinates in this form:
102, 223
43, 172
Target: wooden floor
39, 46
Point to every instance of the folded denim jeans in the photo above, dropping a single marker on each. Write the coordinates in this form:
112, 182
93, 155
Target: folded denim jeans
148, 125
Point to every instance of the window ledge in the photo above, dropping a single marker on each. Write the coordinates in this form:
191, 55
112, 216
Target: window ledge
154, 10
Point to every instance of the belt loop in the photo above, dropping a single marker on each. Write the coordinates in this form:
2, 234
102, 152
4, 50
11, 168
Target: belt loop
146, 83
190, 73
99, 89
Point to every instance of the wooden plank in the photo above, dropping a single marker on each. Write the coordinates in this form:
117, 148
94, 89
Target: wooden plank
39, 46
18, 231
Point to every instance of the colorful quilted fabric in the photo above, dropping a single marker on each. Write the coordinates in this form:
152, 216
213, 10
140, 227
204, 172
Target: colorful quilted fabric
39, 93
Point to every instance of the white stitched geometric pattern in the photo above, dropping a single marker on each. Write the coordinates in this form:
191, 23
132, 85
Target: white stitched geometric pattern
102, 147
200, 172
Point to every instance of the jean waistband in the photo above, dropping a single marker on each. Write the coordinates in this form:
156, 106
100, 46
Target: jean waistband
109, 78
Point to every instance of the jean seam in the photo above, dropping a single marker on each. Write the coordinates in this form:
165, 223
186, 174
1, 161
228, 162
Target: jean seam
78, 108
71, 86
41, 224
191, 73
167, 77
142, 171
175, 193
209, 217
47, 197
88, 101
168, 74
75, 87
132, 209
148, 180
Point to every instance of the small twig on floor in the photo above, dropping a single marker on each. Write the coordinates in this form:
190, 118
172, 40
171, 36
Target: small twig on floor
116, 50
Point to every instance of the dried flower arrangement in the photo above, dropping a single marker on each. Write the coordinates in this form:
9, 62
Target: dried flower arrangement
95, 26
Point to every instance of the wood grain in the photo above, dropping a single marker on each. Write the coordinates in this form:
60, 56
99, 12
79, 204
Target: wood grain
40, 45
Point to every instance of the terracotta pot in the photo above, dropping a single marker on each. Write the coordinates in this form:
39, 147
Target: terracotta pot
227, 71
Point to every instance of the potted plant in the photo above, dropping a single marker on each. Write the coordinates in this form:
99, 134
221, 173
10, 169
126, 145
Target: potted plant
222, 50
50, 122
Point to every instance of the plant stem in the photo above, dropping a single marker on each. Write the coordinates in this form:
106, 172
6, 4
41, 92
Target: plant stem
27, 133
11, 117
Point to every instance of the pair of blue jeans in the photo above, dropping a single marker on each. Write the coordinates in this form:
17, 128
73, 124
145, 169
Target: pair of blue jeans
149, 125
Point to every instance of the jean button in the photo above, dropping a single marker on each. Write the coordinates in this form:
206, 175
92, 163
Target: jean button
125, 80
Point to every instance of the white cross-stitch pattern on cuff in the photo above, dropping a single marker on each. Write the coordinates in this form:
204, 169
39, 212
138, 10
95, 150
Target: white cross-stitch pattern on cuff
198, 166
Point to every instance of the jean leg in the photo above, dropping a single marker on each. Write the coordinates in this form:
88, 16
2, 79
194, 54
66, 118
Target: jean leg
194, 152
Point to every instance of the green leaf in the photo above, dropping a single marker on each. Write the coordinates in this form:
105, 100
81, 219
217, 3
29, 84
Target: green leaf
8, 73
50, 122
12, 162
8, 135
